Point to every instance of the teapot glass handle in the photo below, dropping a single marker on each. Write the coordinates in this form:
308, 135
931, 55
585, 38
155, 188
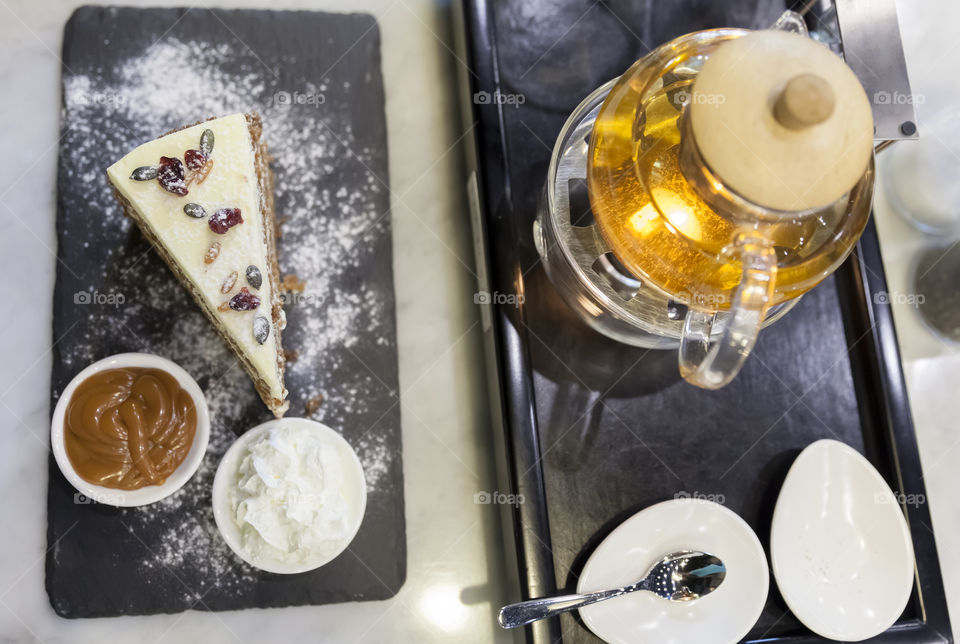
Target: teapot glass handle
712, 365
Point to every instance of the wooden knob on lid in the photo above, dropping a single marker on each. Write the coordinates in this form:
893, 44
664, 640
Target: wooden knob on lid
781, 120
805, 100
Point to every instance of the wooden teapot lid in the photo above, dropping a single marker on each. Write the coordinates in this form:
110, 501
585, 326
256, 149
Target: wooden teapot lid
781, 120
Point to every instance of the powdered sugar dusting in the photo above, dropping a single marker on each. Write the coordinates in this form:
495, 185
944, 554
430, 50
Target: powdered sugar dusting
341, 324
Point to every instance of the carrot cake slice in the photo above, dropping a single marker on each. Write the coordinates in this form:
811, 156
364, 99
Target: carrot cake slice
203, 196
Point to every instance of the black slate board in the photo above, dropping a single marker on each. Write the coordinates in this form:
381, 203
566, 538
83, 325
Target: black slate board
130, 75
591, 430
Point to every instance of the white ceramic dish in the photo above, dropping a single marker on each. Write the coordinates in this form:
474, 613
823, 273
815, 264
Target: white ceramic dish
840, 548
722, 617
354, 491
150, 493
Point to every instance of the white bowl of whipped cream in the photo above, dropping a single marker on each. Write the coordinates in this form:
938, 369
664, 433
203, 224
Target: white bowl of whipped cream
289, 495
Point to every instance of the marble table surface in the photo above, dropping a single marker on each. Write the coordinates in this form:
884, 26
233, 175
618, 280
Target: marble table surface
455, 549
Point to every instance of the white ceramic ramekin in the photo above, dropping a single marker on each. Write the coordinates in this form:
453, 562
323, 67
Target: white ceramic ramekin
151, 493
353, 490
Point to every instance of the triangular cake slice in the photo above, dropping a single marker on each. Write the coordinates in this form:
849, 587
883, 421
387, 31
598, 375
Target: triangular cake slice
203, 196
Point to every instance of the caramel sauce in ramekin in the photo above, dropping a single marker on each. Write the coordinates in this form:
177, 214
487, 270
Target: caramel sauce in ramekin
128, 428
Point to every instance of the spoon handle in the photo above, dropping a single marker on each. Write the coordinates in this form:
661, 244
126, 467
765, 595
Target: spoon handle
532, 610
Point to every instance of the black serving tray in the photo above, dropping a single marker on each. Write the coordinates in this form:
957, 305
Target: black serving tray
590, 431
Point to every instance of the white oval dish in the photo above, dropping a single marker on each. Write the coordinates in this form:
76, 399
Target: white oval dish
840, 547
150, 493
724, 616
353, 490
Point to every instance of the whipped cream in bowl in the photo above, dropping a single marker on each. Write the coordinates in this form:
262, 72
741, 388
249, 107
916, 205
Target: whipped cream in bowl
289, 495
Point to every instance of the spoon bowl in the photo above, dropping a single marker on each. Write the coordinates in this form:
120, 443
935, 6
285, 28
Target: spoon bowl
685, 576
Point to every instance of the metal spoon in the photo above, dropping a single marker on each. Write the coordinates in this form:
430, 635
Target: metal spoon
680, 576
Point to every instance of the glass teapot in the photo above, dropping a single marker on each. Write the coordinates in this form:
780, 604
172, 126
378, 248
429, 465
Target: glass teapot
691, 201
